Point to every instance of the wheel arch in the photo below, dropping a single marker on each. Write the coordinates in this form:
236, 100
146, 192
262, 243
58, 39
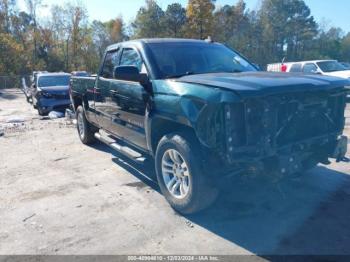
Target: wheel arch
160, 127
79, 100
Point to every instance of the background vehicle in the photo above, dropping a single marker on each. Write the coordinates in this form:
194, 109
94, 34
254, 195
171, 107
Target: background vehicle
80, 73
28, 90
51, 92
203, 112
346, 65
322, 67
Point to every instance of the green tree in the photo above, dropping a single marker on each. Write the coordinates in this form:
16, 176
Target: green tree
286, 26
33, 6
11, 56
149, 21
328, 44
174, 20
345, 48
100, 37
200, 18
7, 9
116, 30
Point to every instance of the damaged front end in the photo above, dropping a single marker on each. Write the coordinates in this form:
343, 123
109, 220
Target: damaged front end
285, 133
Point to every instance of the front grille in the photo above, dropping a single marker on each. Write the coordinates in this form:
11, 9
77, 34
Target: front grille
305, 116
60, 107
260, 126
61, 96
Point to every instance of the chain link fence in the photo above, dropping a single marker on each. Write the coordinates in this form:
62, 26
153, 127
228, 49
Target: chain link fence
13, 81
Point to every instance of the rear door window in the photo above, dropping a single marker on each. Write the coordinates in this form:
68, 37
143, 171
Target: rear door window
296, 68
310, 68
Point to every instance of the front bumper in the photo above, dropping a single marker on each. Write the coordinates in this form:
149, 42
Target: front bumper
48, 104
294, 158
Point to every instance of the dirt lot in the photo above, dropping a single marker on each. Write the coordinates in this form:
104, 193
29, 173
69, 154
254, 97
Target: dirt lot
58, 196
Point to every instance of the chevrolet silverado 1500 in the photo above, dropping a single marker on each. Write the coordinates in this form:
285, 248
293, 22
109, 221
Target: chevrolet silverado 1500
203, 112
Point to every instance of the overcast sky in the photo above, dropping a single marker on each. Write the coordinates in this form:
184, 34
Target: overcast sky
336, 12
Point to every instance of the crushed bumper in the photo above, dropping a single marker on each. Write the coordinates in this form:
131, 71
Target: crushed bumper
48, 105
293, 159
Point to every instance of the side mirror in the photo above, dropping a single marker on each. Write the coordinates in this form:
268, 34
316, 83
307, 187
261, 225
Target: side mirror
132, 74
127, 73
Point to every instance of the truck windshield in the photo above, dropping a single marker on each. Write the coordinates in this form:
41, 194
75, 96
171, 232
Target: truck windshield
179, 59
331, 66
45, 81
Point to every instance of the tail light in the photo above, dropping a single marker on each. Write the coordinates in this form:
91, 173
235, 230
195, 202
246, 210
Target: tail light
284, 68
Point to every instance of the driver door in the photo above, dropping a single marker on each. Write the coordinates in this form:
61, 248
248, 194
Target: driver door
129, 102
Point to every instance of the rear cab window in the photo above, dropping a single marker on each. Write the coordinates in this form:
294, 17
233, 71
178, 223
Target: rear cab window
310, 68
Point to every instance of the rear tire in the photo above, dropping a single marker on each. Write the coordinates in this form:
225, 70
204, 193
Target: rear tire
180, 175
86, 131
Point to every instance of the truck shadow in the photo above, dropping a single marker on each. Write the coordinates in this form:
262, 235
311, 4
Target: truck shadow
144, 172
305, 215
302, 215
9, 94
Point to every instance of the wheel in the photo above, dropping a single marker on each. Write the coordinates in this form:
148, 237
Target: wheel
85, 130
180, 174
41, 112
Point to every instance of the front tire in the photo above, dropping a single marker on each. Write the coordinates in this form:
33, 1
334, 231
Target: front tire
85, 130
180, 174
41, 112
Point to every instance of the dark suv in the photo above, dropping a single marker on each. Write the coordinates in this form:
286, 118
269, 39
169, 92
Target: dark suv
51, 92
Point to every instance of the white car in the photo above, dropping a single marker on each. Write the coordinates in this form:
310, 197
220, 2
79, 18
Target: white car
322, 67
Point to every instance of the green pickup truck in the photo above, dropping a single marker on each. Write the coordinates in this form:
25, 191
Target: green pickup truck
205, 113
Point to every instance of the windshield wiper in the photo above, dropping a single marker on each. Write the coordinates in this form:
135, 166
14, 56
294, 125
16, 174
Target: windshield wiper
193, 73
180, 75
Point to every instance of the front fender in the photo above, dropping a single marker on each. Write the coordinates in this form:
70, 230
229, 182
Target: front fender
198, 107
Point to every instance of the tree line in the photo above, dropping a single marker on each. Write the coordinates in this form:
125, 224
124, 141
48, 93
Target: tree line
68, 41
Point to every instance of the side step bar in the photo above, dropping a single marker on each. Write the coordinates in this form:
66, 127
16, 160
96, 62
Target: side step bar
127, 151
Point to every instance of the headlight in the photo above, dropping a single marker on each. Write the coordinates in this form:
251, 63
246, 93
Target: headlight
45, 94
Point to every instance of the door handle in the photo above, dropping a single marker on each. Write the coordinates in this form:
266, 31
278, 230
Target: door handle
114, 92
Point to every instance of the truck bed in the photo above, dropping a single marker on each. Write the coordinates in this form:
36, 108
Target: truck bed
81, 85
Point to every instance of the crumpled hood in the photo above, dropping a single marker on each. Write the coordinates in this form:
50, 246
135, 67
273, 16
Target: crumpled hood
249, 84
55, 89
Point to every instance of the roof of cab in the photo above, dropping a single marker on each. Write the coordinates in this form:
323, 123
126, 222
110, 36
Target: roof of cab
54, 74
158, 40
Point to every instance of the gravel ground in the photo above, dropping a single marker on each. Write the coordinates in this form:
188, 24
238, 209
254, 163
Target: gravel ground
58, 196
